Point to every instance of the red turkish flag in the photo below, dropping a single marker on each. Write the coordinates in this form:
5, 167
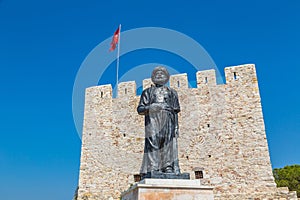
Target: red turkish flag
115, 40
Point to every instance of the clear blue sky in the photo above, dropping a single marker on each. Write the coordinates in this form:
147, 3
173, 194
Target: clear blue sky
42, 46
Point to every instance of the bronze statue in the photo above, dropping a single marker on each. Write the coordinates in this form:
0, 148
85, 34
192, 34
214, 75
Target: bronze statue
160, 105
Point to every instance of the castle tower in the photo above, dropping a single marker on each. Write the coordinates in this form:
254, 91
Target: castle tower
222, 133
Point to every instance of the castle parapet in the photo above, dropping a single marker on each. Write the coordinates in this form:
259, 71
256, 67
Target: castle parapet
179, 81
241, 74
207, 77
101, 92
147, 83
127, 89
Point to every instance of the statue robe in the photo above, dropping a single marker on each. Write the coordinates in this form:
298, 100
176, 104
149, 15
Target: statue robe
161, 129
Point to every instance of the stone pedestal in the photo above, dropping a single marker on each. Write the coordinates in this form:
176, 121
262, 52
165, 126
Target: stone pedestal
168, 189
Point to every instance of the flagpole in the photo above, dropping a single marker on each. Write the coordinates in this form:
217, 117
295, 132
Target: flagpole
118, 59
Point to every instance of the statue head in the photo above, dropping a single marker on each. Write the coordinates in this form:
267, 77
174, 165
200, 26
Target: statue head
160, 75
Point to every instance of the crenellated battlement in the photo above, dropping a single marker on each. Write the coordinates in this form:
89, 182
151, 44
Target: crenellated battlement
221, 131
238, 75
241, 74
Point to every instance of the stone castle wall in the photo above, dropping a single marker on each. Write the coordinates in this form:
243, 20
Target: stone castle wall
221, 130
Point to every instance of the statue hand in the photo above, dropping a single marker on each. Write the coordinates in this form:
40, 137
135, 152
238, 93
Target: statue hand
166, 106
155, 107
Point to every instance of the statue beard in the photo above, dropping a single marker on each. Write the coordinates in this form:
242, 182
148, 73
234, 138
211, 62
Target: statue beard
160, 81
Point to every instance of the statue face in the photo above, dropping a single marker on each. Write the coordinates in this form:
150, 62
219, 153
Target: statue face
160, 76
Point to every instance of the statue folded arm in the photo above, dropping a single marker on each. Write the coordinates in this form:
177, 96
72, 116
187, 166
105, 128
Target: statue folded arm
144, 105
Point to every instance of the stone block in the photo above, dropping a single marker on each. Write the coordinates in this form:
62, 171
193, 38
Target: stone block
168, 189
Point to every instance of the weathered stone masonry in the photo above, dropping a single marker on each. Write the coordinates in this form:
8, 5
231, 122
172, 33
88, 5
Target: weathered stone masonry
221, 130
